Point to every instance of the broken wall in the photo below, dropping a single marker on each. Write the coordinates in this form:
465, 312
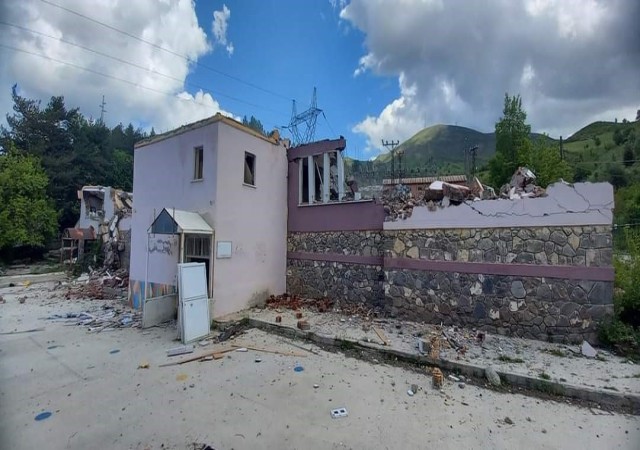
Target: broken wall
538, 267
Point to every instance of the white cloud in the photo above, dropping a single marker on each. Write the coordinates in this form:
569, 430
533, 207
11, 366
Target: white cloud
172, 25
572, 61
219, 28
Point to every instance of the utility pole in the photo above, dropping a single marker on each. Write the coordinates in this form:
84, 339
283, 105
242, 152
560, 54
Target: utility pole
561, 149
102, 110
473, 152
392, 146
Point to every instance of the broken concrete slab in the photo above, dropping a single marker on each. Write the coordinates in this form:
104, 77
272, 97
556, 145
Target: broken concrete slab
587, 350
564, 205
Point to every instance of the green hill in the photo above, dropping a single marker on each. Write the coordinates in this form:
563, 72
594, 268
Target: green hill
442, 146
438, 149
593, 149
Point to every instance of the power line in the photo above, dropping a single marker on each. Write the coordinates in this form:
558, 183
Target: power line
159, 47
86, 69
204, 89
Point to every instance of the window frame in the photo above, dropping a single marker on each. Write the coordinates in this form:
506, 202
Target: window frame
198, 163
252, 169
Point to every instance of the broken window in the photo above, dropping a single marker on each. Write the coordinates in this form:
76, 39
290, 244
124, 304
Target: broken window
249, 169
94, 203
198, 160
197, 246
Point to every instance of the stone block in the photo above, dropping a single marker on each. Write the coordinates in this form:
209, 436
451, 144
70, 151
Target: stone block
568, 251
558, 237
413, 252
518, 290
601, 293
534, 246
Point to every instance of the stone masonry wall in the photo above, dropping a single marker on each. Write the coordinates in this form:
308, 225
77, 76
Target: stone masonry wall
575, 246
555, 309
361, 283
530, 307
357, 283
363, 243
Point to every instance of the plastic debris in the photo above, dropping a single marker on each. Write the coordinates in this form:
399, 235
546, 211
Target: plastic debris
298, 368
339, 412
43, 415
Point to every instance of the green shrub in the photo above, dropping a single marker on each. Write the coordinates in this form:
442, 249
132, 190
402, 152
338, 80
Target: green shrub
622, 332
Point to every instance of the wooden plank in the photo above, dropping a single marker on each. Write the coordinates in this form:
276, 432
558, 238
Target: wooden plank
266, 350
381, 335
217, 354
33, 330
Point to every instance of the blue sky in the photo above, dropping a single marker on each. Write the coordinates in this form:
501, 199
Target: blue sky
384, 69
304, 45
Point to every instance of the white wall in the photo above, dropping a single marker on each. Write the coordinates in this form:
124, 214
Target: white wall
163, 177
253, 219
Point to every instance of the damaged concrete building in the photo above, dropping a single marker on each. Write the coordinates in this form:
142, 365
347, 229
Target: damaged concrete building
213, 191
531, 267
105, 214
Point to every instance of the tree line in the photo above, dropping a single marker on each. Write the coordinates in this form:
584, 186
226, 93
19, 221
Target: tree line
515, 147
47, 153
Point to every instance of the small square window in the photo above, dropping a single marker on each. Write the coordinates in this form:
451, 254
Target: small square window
197, 166
249, 169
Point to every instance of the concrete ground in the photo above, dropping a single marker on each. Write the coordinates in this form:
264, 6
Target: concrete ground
560, 362
99, 399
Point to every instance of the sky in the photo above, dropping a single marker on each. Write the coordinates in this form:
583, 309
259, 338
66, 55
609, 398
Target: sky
383, 69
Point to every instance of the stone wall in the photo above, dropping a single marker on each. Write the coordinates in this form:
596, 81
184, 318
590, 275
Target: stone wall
577, 246
357, 283
489, 279
531, 307
363, 243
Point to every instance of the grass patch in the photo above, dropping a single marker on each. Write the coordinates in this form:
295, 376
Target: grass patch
556, 352
509, 359
346, 345
550, 388
544, 375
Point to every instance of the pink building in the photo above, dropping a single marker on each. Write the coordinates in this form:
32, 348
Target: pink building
213, 191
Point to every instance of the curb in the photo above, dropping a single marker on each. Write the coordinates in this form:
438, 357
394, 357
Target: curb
612, 399
16, 280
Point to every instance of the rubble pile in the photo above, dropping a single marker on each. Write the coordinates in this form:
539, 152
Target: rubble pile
522, 185
399, 203
322, 305
106, 319
113, 243
294, 302
100, 285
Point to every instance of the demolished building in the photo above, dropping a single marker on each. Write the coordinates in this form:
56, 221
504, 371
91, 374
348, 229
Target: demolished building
537, 267
105, 215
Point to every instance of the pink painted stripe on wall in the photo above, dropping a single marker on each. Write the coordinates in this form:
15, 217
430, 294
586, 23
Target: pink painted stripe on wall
523, 270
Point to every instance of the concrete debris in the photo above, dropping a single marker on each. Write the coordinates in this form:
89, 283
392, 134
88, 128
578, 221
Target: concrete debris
183, 349
109, 319
322, 305
587, 350
399, 200
522, 185
492, 376
100, 285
